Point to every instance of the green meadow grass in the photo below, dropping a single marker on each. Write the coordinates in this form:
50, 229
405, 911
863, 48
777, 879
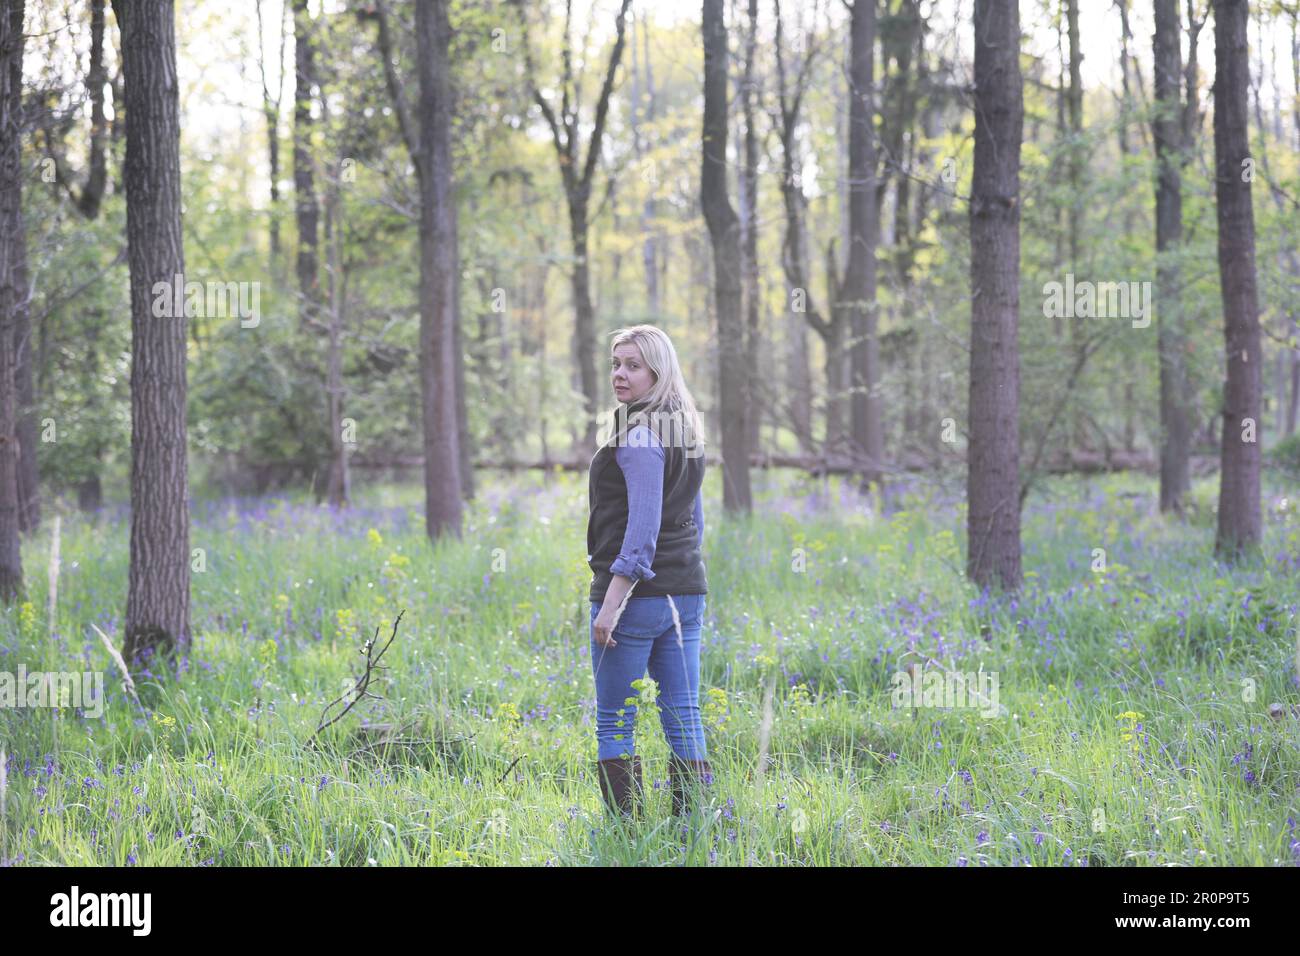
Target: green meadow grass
1135, 725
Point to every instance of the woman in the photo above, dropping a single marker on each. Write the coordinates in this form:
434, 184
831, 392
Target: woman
646, 531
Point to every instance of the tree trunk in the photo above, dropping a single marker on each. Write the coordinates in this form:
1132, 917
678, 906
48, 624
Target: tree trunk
834, 342
1077, 165
97, 177
584, 326
577, 176
338, 487
993, 460
724, 235
1171, 339
306, 206
90, 495
439, 264
748, 194
1293, 402
29, 498
643, 104
158, 596
13, 289
271, 111
857, 296
1240, 523
903, 45
464, 440
799, 384
1130, 361
837, 370
794, 250
23, 423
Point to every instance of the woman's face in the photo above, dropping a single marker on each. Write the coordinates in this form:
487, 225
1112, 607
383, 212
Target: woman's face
631, 377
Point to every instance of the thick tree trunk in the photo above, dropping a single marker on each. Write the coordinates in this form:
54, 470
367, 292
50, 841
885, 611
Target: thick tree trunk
306, 206
439, 264
1171, 341
1240, 522
993, 476
857, 296
725, 237
13, 289
442, 376
158, 596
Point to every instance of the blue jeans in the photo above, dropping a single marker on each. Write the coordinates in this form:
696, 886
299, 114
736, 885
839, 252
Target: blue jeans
648, 639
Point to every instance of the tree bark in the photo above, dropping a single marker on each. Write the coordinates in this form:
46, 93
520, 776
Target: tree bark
24, 428
902, 43
464, 440
158, 596
271, 111
1293, 401
857, 296
97, 177
993, 459
1171, 339
441, 366
725, 237
1240, 525
748, 193
306, 205
1076, 167
439, 265
338, 487
1288, 259
643, 110
13, 289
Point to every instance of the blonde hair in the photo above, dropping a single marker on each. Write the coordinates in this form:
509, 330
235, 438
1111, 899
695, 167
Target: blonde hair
668, 398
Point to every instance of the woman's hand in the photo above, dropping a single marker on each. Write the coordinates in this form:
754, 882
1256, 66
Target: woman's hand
603, 627
610, 610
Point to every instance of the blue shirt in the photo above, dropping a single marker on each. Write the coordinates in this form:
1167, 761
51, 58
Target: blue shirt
642, 461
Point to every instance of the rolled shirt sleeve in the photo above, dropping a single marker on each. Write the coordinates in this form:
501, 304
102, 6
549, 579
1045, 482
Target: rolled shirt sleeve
642, 461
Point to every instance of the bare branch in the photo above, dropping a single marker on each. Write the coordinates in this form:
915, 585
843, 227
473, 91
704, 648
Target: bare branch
395, 90
361, 688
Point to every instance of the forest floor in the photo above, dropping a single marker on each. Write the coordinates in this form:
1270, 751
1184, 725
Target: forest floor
1129, 722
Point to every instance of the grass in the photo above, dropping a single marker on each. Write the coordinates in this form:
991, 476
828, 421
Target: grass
1135, 698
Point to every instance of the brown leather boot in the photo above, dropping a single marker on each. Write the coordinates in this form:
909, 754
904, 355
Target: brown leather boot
620, 784
683, 776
